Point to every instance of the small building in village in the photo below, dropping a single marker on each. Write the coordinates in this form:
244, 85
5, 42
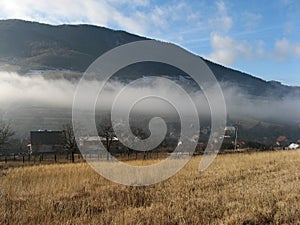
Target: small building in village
293, 146
46, 141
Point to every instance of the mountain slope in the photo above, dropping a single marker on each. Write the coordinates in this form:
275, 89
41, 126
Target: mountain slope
35, 45
30, 45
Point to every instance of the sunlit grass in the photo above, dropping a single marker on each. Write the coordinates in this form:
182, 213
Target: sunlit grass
257, 188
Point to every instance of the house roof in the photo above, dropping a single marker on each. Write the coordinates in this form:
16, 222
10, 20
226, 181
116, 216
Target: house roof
293, 146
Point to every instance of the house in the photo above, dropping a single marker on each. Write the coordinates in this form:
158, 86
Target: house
229, 131
90, 144
46, 141
293, 146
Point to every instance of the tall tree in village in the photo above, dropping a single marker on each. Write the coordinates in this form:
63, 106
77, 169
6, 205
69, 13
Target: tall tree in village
69, 140
6, 133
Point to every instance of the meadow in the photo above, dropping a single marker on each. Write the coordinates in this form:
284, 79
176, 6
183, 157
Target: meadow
254, 188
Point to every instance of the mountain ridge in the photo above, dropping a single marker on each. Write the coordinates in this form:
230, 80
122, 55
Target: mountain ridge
26, 45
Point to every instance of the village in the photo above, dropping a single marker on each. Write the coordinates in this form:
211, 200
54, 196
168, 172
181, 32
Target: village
61, 145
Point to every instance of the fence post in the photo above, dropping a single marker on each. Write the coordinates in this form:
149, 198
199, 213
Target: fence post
73, 156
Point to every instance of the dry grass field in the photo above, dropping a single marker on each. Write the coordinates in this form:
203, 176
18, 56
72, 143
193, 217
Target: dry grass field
256, 188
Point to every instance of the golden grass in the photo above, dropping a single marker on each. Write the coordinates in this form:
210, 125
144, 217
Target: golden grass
257, 188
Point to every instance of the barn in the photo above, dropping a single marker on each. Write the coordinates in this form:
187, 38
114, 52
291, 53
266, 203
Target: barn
46, 141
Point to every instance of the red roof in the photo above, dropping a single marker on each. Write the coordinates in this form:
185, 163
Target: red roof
281, 138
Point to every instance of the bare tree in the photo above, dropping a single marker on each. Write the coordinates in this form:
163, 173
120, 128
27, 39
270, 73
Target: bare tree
69, 140
141, 134
106, 131
6, 133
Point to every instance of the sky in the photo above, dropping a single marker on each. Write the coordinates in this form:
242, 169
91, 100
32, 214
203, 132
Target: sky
261, 38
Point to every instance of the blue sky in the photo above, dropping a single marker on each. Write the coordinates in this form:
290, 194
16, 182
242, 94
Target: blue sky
258, 37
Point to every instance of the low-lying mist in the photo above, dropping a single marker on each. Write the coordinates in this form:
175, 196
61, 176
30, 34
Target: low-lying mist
33, 102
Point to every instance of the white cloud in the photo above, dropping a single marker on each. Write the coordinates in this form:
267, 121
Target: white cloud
221, 7
297, 50
260, 49
226, 50
284, 49
132, 3
136, 16
103, 13
222, 21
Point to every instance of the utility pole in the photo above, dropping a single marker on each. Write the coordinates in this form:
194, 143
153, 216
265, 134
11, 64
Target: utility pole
236, 137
